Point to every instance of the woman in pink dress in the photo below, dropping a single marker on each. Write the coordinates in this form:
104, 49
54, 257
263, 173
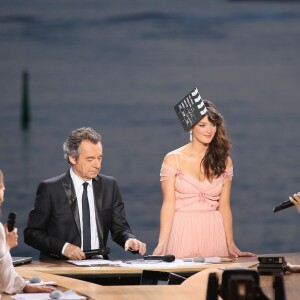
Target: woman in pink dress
196, 218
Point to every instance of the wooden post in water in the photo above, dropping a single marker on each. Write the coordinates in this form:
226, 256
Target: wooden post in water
25, 109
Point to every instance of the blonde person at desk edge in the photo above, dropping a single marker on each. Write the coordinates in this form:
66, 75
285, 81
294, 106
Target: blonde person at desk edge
10, 281
196, 218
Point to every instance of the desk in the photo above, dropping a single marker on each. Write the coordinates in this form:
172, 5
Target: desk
94, 291
113, 275
193, 288
198, 282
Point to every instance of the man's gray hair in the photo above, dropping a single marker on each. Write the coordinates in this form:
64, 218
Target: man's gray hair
72, 144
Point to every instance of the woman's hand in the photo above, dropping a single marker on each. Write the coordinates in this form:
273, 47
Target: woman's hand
160, 249
11, 238
236, 252
38, 289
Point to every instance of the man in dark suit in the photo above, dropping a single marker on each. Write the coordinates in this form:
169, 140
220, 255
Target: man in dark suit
76, 211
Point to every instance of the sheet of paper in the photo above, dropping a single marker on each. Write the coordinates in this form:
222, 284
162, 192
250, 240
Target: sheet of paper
144, 264
141, 263
67, 295
90, 262
39, 296
42, 283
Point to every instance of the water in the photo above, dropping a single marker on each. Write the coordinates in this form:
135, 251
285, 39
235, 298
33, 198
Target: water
120, 67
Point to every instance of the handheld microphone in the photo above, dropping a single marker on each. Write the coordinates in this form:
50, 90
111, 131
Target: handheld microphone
283, 205
166, 258
11, 221
101, 251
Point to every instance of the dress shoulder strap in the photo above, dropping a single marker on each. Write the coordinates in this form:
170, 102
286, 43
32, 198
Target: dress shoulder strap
168, 171
228, 173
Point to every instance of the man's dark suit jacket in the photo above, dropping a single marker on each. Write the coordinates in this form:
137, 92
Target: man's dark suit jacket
55, 220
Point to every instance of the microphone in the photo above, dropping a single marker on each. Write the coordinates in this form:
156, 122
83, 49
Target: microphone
101, 251
166, 258
283, 205
56, 294
35, 279
11, 221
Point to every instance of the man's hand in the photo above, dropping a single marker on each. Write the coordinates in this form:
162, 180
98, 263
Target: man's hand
161, 249
136, 245
73, 252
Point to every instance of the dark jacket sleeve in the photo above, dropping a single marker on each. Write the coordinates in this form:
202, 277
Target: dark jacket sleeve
113, 212
51, 224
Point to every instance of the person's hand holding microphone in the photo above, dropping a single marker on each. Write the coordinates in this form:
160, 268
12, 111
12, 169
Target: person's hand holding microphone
296, 200
11, 232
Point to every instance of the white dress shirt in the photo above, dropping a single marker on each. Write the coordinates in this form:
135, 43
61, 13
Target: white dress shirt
77, 182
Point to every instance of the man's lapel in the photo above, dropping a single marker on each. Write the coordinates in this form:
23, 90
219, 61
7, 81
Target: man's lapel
72, 199
98, 197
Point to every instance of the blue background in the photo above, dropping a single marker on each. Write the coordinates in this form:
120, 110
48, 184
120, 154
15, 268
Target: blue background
120, 67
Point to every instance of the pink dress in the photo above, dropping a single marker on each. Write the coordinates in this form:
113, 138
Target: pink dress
198, 228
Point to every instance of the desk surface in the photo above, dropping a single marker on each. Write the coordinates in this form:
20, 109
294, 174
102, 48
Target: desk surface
64, 268
193, 288
198, 282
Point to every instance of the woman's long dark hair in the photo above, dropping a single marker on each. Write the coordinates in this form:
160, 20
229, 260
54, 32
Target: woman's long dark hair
215, 159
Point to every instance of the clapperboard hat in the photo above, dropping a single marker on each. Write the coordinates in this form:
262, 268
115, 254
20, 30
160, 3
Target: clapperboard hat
190, 110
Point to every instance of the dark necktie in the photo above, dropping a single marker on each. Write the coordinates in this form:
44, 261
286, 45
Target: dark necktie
86, 227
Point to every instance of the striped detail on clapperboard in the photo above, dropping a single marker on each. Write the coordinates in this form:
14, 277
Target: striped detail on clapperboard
196, 97
191, 109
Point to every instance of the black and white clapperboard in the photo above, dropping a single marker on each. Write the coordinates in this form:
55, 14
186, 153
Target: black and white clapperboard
190, 110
